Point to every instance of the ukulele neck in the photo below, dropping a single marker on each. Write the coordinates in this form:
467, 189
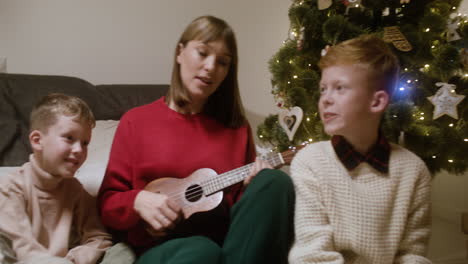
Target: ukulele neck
224, 180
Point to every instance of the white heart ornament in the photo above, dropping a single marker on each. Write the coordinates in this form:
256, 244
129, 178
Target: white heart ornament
290, 120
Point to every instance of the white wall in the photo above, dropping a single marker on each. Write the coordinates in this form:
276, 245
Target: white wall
122, 41
119, 41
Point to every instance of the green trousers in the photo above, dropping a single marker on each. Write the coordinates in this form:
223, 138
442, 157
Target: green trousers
261, 229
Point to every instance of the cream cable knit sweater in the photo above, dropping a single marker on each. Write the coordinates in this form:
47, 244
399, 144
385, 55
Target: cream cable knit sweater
360, 216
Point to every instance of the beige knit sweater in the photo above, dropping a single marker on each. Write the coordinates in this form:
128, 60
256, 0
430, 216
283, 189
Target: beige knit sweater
360, 216
40, 213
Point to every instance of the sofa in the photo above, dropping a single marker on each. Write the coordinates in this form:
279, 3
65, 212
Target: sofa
19, 92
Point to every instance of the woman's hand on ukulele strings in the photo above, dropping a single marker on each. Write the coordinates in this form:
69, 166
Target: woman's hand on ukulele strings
257, 166
160, 212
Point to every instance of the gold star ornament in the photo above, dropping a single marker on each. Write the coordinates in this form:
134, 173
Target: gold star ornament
445, 101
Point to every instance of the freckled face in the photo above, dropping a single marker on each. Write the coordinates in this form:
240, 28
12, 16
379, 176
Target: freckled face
345, 100
203, 67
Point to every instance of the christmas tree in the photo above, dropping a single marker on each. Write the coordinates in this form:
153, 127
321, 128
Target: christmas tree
428, 113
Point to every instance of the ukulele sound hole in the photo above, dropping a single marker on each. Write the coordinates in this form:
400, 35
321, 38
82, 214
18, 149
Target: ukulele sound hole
194, 193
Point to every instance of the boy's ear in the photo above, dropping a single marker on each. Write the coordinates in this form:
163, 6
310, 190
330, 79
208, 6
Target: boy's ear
35, 138
380, 101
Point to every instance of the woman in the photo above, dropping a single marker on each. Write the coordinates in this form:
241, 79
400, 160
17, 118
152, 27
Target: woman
198, 124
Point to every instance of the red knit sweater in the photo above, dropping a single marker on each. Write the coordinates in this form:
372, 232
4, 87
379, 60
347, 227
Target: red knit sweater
153, 141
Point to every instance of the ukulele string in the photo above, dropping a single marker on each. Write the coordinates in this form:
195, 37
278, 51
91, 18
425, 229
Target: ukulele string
216, 181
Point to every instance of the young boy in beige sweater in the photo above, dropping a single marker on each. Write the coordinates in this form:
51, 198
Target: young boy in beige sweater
46, 215
359, 198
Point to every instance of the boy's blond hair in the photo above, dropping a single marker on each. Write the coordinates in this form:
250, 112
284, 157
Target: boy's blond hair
46, 111
369, 52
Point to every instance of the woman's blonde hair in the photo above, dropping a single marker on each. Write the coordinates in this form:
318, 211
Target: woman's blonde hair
46, 112
224, 104
369, 52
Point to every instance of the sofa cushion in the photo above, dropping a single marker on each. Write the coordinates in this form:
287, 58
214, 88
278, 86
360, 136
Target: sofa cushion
9, 130
116, 99
91, 173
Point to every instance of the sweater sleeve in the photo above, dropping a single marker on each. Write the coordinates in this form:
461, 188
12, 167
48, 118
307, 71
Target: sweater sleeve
313, 232
413, 246
15, 223
94, 240
117, 195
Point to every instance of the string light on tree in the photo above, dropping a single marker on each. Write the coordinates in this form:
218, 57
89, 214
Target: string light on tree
429, 50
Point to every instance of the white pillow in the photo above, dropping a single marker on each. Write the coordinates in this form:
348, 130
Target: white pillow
7, 170
92, 171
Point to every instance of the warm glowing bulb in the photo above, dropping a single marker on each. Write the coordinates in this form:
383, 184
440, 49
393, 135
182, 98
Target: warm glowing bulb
450, 161
451, 125
261, 136
426, 65
466, 139
432, 46
406, 69
434, 157
295, 76
310, 64
290, 61
428, 29
310, 140
308, 119
421, 118
277, 61
289, 82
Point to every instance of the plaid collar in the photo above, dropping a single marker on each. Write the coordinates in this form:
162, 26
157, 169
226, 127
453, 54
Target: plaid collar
377, 157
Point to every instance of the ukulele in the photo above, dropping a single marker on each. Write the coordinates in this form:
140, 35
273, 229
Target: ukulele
202, 190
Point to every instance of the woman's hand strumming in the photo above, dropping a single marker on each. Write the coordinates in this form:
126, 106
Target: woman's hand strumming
158, 210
